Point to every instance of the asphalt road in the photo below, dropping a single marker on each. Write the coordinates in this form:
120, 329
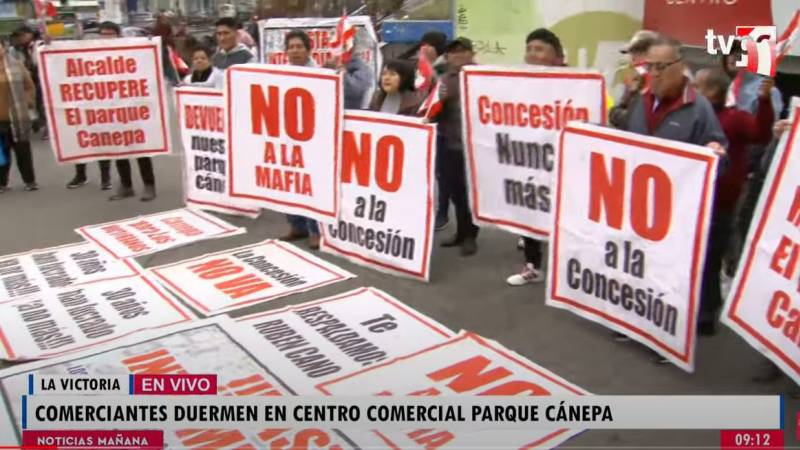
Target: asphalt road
464, 293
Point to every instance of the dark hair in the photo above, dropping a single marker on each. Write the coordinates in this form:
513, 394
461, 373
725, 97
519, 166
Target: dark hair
548, 37
108, 25
406, 70
23, 29
298, 34
718, 79
229, 22
204, 49
435, 39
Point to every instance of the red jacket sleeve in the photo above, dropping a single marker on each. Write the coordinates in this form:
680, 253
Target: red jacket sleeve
758, 129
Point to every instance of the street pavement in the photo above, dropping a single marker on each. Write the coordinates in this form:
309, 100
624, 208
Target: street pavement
464, 293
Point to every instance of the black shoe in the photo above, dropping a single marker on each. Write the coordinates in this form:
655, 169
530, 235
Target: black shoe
31, 187
707, 328
441, 223
122, 193
149, 194
469, 247
77, 182
105, 186
454, 241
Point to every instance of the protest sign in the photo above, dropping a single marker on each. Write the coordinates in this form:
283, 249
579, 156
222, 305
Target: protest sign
764, 302
322, 31
632, 215
64, 320
105, 99
321, 340
284, 135
465, 365
156, 232
512, 118
385, 220
30, 273
201, 117
199, 347
232, 279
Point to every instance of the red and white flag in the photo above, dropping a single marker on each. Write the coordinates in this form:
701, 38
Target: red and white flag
789, 35
761, 57
432, 105
424, 74
344, 42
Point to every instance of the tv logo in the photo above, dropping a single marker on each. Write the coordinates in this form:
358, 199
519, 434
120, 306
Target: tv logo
757, 44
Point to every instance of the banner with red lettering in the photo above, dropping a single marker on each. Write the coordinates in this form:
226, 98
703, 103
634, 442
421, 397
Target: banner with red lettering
138, 236
322, 340
201, 117
285, 134
631, 221
36, 271
105, 99
512, 117
385, 221
231, 279
199, 347
60, 321
322, 31
460, 366
764, 302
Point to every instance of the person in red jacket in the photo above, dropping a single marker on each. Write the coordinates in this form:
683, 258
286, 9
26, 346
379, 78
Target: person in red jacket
742, 130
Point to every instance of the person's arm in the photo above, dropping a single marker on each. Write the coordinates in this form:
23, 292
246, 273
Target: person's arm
30, 88
357, 77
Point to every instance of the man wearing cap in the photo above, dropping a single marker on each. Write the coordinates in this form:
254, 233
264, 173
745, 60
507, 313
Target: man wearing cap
636, 79
450, 155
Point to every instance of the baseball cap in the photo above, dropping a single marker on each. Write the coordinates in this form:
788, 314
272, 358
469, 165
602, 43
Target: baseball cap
640, 42
462, 42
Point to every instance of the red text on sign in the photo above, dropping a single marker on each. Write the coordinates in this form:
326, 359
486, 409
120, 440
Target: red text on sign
782, 314
231, 281
357, 158
649, 219
207, 118
298, 112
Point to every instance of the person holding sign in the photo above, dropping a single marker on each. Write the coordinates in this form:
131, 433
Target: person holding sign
542, 48
397, 94
203, 73
672, 109
230, 51
451, 155
17, 95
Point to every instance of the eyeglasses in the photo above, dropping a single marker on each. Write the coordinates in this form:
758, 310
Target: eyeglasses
660, 67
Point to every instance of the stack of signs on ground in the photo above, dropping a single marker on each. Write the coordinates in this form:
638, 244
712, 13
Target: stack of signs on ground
105, 99
322, 31
284, 135
31, 273
143, 235
464, 365
59, 321
201, 116
385, 220
631, 223
232, 279
201, 347
321, 340
764, 303
512, 118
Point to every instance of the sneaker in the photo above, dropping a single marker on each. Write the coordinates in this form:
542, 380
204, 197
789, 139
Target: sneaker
469, 247
528, 274
619, 337
3, 189
454, 241
441, 223
313, 242
661, 360
122, 193
105, 186
294, 235
45, 135
149, 194
521, 244
31, 187
77, 182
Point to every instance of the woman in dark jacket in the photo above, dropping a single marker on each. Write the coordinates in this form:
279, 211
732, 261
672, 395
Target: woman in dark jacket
397, 94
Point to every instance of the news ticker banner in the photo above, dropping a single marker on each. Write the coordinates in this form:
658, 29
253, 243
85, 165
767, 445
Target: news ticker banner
201, 118
59, 321
322, 340
232, 279
465, 413
199, 347
386, 217
764, 302
285, 137
139, 236
35, 271
322, 31
512, 119
105, 99
630, 231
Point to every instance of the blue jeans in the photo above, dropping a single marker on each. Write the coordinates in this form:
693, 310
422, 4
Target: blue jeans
301, 223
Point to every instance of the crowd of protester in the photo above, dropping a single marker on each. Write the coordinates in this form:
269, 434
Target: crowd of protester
734, 112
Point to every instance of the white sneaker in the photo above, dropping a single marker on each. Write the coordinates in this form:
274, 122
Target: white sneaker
521, 244
528, 275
